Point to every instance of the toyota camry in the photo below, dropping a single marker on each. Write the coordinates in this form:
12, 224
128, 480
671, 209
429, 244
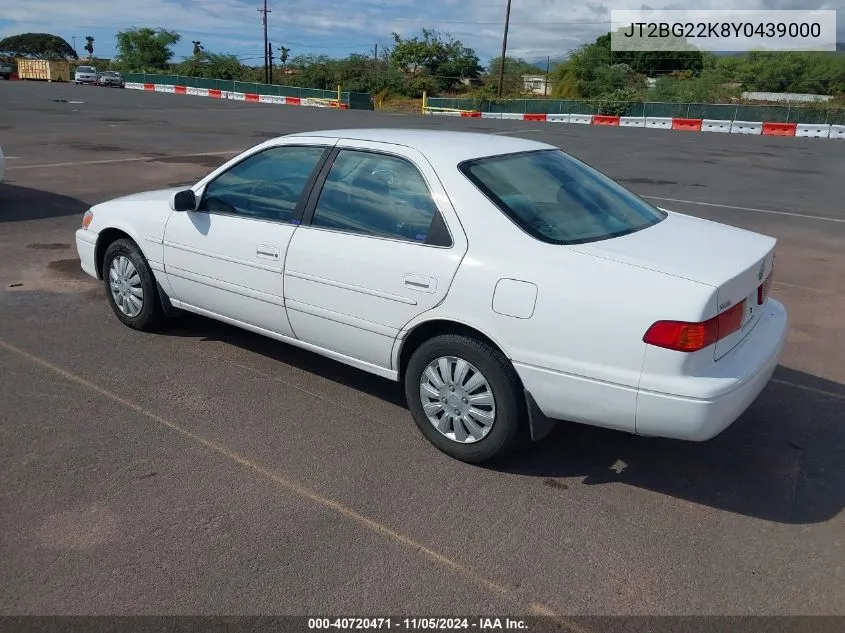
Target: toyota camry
506, 284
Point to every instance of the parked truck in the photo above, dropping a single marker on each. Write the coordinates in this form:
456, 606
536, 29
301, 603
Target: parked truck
43, 69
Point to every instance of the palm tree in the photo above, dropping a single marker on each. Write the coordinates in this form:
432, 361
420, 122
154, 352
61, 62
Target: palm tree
197, 48
283, 56
89, 46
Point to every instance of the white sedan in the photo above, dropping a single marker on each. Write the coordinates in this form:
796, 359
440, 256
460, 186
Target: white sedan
505, 283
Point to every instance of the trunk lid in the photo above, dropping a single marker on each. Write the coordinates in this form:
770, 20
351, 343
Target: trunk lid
734, 261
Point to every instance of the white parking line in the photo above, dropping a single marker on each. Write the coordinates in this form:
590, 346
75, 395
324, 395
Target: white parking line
728, 206
517, 131
134, 159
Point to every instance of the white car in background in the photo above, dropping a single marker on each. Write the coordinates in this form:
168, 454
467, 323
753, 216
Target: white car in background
503, 282
86, 75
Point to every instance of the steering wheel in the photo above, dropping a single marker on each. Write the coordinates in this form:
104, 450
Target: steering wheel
269, 188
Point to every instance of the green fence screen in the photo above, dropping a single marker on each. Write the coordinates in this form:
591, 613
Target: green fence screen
356, 100
734, 112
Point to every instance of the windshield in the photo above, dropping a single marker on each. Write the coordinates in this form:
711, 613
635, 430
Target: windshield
85, 69
558, 199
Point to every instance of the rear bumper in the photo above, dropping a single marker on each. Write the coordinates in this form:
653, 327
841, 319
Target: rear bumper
750, 366
86, 246
709, 405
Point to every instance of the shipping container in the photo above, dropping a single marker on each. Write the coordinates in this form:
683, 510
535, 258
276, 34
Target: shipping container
43, 69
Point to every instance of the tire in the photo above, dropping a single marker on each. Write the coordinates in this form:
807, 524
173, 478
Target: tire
508, 429
151, 313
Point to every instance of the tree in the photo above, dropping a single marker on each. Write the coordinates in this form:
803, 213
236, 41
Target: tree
214, 66
37, 45
198, 49
444, 59
596, 68
145, 48
514, 70
283, 56
89, 46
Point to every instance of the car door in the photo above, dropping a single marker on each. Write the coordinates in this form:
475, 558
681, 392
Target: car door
379, 244
226, 258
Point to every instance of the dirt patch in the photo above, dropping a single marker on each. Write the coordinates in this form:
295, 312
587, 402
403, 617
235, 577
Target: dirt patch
50, 246
68, 268
96, 147
554, 483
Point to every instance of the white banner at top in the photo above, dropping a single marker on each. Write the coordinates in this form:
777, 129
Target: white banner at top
726, 31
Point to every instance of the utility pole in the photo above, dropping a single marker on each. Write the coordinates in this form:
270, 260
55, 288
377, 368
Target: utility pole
375, 52
546, 82
504, 48
270, 61
264, 13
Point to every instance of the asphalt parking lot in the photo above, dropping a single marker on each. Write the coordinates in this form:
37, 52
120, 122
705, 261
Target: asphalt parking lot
204, 469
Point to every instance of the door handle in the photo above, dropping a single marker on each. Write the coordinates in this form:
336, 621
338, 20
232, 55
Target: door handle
267, 252
420, 282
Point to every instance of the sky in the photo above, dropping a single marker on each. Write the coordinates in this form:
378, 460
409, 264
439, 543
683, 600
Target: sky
537, 27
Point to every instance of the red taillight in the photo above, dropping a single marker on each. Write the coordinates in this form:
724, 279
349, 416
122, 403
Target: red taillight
682, 336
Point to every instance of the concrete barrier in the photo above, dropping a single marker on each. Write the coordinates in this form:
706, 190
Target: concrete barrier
581, 119
603, 119
812, 130
716, 125
491, 115
632, 121
779, 129
535, 117
163, 88
557, 118
659, 122
837, 131
689, 125
512, 115
746, 127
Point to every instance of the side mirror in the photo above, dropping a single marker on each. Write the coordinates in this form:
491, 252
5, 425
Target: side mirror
183, 201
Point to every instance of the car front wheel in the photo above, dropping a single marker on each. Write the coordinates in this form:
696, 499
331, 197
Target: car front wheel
465, 397
130, 286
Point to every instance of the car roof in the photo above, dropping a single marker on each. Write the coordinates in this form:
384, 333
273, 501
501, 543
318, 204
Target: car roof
438, 145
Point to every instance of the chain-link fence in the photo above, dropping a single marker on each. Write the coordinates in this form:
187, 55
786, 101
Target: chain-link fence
728, 112
356, 100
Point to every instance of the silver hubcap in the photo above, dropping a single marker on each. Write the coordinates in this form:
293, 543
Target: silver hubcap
457, 399
125, 286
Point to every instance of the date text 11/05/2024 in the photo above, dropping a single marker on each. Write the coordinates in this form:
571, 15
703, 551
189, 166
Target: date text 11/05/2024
419, 624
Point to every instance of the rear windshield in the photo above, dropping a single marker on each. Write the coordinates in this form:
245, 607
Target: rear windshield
85, 69
558, 199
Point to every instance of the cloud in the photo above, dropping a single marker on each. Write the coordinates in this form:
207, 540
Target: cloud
538, 27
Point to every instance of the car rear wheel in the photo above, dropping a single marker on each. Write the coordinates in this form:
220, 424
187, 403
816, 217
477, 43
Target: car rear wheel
465, 397
130, 286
